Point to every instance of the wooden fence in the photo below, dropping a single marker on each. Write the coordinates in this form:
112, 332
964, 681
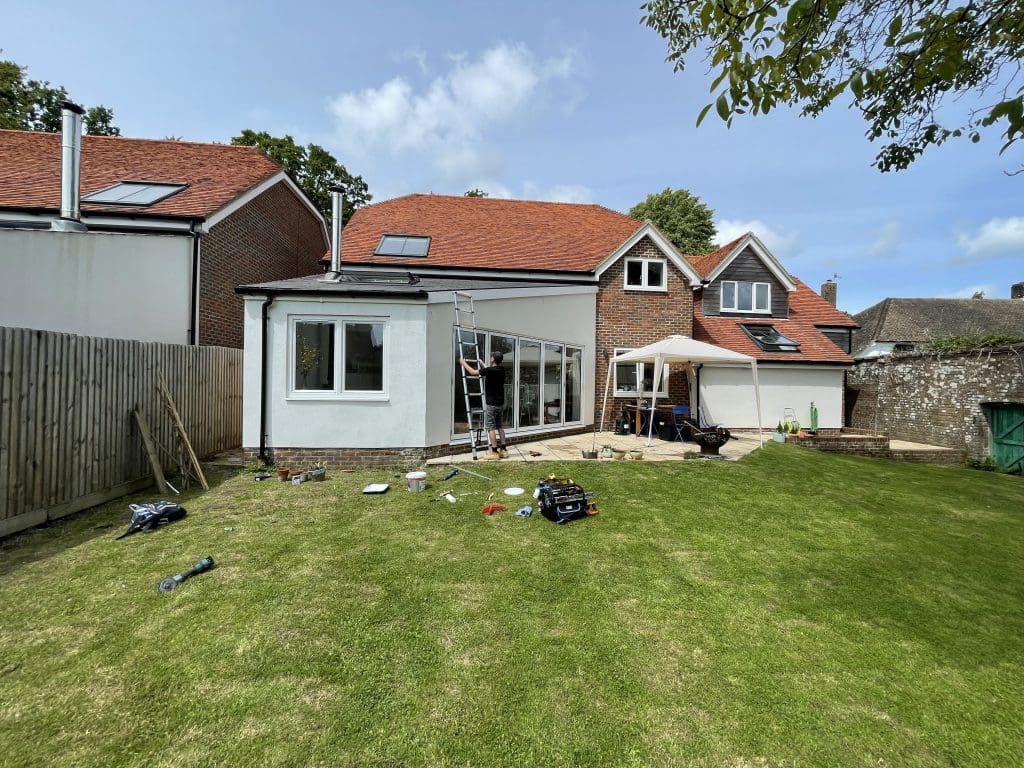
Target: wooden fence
68, 439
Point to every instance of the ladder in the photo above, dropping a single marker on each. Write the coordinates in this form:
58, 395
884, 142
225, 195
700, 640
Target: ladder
468, 349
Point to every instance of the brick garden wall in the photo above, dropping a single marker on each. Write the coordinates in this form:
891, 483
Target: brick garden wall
273, 237
936, 399
637, 318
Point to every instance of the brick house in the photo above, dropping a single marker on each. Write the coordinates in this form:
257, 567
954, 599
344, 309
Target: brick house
559, 289
152, 241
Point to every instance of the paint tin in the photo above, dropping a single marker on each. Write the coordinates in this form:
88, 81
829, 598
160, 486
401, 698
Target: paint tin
417, 481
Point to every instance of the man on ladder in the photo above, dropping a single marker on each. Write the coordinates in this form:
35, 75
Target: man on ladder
494, 400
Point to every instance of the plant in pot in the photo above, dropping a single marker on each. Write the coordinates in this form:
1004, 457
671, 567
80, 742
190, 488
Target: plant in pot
606, 451
318, 471
779, 435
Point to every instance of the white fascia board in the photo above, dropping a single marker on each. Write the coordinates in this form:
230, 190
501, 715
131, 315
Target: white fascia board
483, 294
762, 252
664, 245
105, 220
803, 366
254, 192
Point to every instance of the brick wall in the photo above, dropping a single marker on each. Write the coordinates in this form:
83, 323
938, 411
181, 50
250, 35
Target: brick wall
273, 237
936, 399
636, 318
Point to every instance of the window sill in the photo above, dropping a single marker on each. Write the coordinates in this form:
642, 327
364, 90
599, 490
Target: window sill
746, 311
338, 397
644, 290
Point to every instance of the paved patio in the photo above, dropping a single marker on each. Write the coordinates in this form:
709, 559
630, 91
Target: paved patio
571, 448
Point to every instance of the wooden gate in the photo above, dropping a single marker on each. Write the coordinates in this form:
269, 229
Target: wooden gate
1008, 436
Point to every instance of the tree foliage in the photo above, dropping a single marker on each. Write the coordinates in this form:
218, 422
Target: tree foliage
919, 71
34, 105
682, 217
311, 167
476, 192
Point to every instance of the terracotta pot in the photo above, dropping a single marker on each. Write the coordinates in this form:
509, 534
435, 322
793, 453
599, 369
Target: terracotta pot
282, 473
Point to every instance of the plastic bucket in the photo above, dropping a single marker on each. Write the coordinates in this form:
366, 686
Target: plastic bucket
417, 481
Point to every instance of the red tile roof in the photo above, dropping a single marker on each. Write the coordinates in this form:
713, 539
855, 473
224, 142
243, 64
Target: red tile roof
489, 233
215, 173
807, 311
706, 264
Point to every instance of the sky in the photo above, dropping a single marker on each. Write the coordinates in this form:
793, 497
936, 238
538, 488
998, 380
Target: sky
569, 101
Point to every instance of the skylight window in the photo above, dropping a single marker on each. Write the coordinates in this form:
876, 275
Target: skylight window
133, 193
403, 245
770, 340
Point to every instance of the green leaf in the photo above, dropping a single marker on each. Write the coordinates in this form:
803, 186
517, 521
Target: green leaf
722, 107
703, 114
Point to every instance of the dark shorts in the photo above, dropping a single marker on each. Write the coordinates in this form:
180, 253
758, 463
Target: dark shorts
492, 417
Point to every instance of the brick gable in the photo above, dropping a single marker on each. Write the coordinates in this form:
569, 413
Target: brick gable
273, 237
636, 318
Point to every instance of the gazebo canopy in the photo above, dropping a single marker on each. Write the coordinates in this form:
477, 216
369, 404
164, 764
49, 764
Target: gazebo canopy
684, 350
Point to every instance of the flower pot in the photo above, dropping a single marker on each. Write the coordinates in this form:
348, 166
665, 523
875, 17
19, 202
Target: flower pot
282, 474
636, 454
589, 454
618, 455
606, 452
779, 437
318, 474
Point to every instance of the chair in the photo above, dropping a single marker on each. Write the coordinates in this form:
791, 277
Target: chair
680, 421
703, 422
646, 414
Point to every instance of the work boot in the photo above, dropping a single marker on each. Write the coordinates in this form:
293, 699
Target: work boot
491, 455
503, 453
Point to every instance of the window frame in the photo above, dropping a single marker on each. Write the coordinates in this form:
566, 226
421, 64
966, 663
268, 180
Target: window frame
406, 238
735, 296
637, 393
339, 393
760, 342
645, 285
170, 187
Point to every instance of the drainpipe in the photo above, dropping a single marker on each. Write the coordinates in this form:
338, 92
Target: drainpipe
265, 322
696, 390
70, 169
193, 323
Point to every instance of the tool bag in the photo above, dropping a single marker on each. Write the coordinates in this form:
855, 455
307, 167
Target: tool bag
561, 501
147, 517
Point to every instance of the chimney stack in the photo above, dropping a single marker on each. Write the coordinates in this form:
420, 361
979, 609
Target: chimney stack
1017, 291
828, 291
70, 168
337, 209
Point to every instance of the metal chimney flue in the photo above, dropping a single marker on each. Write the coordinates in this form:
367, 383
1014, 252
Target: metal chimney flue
337, 211
70, 169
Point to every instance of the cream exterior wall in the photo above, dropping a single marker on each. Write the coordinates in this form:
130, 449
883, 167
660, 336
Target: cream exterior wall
419, 366
727, 395
122, 286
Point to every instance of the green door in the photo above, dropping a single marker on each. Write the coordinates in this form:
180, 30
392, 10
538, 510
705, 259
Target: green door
1008, 437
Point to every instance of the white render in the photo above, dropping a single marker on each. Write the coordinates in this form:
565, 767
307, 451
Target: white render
419, 364
726, 394
123, 286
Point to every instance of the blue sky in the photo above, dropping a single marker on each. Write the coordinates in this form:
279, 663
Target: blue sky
569, 101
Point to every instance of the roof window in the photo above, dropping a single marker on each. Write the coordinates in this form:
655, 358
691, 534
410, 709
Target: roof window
134, 193
770, 340
403, 245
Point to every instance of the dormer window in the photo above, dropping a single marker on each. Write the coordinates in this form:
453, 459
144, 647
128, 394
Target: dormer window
403, 245
770, 340
740, 296
645, 275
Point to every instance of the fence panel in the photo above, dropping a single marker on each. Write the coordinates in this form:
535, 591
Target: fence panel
68, 439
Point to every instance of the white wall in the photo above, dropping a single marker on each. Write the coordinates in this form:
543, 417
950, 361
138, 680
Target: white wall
727, 395
123, 286
397, 421
568, 318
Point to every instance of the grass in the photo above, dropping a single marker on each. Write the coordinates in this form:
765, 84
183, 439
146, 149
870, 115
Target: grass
795, 608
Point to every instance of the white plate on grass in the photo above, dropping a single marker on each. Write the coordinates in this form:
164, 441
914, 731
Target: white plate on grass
514, 491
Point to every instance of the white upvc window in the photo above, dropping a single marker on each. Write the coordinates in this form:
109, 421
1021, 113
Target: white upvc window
337, 358
645, 275
741, 296
637, 379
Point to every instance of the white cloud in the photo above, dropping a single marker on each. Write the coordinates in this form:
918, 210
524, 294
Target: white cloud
781, 244
889, 236
996, 237
968, 292
448, 119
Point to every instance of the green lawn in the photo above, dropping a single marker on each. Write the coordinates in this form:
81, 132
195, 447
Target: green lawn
792, 609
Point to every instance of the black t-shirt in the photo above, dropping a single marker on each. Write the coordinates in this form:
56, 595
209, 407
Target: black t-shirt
494, 384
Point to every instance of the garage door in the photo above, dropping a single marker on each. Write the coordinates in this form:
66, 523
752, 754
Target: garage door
1008, 437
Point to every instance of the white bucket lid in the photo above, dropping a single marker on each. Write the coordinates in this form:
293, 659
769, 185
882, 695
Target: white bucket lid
416, 476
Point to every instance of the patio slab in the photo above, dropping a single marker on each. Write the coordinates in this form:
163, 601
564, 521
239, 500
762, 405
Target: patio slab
570, 448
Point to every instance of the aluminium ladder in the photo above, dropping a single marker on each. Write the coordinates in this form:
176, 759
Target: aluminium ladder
469, 349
